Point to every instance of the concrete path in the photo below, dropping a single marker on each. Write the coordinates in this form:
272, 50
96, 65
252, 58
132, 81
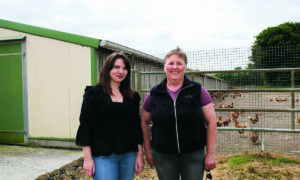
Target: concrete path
27, 163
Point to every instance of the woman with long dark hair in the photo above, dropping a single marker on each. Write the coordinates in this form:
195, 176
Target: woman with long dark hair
110, 128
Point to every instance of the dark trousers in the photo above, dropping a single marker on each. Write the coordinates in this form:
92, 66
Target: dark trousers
190, 166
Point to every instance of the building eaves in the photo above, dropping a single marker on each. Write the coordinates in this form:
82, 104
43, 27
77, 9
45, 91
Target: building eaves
49, 33
117, 47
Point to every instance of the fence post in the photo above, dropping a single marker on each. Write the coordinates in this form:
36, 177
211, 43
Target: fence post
133, 77
132, 72
293, 79
139, 82
293, 99
193, 76
139, 85
221, 81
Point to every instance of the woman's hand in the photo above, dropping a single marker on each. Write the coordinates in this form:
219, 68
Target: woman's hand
210, 119
139, 163
89, 167
149, 157
210, 161
146, 121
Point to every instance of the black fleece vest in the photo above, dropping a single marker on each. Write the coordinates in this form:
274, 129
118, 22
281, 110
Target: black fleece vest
178, 127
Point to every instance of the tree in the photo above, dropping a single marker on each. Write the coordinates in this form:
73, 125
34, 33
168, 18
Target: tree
240, 78
277, 47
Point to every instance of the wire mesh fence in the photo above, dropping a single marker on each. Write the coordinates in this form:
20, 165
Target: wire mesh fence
231, 142
257, 82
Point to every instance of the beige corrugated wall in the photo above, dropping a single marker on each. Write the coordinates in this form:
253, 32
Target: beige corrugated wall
57, 73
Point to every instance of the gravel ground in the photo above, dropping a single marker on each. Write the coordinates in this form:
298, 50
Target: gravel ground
27, 163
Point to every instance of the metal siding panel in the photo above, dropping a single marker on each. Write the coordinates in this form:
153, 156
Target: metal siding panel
93, 66
11, 96
8, 48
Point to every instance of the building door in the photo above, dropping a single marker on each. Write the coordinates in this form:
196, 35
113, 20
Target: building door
12, 127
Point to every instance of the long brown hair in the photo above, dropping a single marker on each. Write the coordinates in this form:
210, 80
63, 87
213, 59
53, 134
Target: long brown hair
104, 76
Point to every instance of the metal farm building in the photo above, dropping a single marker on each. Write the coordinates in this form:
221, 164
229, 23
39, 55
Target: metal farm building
43, 73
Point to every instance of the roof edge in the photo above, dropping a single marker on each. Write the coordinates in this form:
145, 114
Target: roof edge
12, 38
117, 47
53, 34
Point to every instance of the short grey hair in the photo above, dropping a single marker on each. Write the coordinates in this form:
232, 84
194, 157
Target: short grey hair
177, 51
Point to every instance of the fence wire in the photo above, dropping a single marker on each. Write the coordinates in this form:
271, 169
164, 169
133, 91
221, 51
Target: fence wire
262, 82
231, 142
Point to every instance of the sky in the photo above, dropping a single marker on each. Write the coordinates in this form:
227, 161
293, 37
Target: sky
157, 26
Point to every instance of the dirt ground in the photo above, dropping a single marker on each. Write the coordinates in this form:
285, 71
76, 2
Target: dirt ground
242, 167
74, 171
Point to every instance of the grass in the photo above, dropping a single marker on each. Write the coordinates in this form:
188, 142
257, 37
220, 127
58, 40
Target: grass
255, 166
237, 161
285, 160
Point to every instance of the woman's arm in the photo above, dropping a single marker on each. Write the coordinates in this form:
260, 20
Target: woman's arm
88, 164
210, 119
146, 121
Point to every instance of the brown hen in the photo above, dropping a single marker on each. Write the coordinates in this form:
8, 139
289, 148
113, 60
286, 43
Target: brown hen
254, 137
255, 119
238, 125
220, 122
235, 115
227, 121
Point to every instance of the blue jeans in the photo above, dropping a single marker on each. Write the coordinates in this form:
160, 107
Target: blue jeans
190, 166
115, 166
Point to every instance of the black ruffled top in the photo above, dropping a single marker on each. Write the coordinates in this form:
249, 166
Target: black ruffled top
107, 126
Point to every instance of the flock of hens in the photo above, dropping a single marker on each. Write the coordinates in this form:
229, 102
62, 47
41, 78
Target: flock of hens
234, 115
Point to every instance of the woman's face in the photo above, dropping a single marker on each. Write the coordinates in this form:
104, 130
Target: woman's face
119, 72
175, 67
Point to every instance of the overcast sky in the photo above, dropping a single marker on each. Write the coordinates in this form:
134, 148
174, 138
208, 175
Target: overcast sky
156, 26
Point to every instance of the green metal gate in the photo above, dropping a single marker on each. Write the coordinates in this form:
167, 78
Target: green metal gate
12, 127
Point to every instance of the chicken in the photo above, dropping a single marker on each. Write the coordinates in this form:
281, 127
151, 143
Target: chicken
278, 99
226, 121
235, 115
229, 105
220, 106
221, 98
254, 120
298, 121
271, 99
238, 125
254, 137
297, 99
220, 122
235, 95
